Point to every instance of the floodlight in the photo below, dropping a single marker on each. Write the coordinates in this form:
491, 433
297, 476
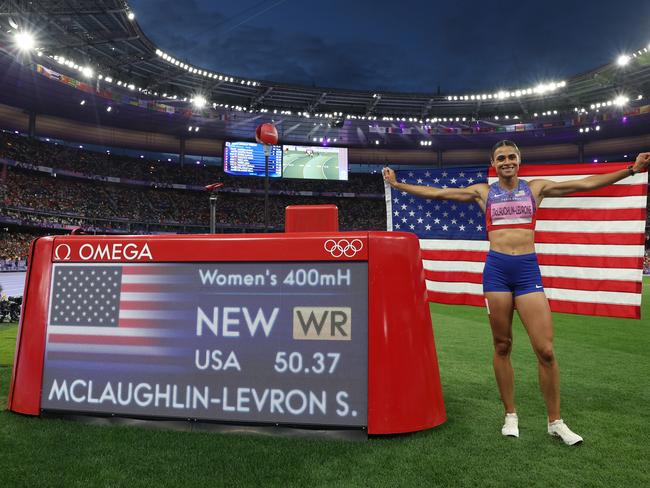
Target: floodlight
620, 100
24, 41
87, 71
623, 60
130, 16
199, 101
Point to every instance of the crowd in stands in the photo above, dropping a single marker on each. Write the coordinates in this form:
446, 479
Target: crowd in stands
75, 201
14, 245
33, 151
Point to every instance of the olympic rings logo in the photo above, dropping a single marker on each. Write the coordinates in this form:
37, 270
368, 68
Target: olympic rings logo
343, 247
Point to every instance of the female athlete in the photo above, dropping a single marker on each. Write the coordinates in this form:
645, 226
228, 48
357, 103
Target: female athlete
511, 277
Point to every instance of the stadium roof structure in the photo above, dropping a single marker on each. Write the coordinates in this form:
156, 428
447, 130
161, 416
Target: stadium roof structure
100, 44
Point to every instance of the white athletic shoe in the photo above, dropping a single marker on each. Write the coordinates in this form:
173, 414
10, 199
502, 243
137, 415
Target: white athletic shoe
559, 429
511, 425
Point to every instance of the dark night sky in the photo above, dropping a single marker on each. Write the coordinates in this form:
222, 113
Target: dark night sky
414, 46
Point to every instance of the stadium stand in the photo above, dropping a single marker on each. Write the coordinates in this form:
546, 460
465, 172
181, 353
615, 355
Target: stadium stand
33, 199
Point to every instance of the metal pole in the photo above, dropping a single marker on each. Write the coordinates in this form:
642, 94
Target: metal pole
181, 150
213, 212
31, 132
581, 152
267, 152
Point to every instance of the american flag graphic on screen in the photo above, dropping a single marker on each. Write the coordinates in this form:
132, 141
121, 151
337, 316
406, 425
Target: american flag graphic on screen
119, 314
590, 245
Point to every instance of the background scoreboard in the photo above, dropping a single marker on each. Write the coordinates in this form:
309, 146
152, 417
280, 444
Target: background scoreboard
315, 162
247, 159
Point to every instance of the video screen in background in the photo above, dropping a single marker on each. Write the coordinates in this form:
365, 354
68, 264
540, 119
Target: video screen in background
247, 159
315, 162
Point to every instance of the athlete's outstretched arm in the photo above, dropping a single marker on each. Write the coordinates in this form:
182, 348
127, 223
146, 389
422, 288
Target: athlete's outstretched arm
473, 193
548, 188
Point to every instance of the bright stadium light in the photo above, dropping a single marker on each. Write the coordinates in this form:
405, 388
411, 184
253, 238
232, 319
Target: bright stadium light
199, 101
621, 100
130, 15
623, 60
87, 71
24, 41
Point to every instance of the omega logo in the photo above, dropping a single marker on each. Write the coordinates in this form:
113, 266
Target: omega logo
65, 248
114, 252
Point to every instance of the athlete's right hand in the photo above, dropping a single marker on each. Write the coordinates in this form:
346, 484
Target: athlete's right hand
389, 176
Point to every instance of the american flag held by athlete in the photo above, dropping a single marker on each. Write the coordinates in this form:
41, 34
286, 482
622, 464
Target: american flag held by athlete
590, 245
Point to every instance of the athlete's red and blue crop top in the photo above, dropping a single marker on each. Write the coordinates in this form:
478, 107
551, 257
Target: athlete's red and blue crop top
513, 209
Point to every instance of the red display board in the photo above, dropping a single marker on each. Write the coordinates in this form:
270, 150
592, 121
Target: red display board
298, 345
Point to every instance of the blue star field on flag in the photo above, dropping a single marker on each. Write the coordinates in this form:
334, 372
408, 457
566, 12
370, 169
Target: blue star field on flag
438, 219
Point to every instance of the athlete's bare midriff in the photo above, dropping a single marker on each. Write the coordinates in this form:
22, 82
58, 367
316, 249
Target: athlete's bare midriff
512, 241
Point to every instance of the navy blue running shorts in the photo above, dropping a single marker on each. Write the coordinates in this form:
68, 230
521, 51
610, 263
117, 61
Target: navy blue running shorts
515, 274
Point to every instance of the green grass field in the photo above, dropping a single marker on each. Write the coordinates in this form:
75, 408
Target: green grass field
320, 166
604, 362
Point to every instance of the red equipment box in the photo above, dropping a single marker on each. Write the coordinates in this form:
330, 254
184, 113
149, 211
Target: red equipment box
309, 218
301, 329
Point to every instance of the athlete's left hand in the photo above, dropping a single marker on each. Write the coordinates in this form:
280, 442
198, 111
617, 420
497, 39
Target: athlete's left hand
641, 163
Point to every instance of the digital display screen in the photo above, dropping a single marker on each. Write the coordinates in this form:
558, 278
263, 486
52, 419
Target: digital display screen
251, 342
247, 159
315, 162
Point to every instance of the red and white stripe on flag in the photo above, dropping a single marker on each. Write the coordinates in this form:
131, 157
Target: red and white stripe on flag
590, 247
